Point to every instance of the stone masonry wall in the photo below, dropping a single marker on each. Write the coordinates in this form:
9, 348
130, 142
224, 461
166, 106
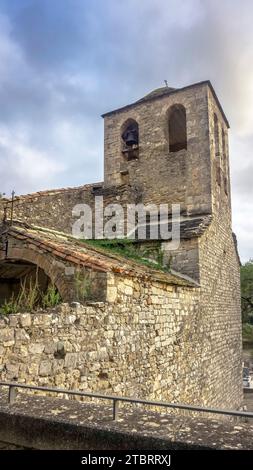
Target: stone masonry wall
220, 168
184, 259
50, 209
53, 209
219, 272
151, 342
221, 314
165, 177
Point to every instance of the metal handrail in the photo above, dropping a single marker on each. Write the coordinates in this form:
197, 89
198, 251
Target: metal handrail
13, 386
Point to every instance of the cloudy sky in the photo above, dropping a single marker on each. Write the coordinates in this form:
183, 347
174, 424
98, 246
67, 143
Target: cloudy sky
65, 62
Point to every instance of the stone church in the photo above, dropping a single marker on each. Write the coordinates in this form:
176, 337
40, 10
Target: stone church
170, 332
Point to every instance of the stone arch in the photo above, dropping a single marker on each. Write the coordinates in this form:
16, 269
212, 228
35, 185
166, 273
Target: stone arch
74, 279
53, 269
177, 129
216, 135
130, 133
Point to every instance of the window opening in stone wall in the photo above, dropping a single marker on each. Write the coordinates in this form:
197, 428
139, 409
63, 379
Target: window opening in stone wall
130, 139
223, 145
226, 185
217, 149
224, 155
224, 159
177, 128
216, 136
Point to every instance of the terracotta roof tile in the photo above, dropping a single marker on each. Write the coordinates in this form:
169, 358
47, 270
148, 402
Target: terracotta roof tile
67, 248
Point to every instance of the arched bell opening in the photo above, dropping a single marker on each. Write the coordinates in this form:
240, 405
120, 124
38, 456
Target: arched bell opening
130, 139
177, 130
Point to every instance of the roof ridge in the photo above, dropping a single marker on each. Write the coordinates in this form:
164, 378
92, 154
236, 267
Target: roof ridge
99, 260
176, 90
47, 192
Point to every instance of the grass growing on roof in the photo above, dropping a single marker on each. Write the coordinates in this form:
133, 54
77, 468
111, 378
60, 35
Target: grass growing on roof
126, 248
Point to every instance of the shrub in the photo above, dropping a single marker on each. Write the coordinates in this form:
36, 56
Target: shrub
9, 306
30, 298
247, 333
51, 297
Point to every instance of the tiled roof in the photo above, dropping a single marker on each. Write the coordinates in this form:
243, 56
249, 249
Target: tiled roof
80, 253
190, 227
160, 93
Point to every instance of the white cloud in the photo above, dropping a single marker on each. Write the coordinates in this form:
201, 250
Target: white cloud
19, 161
61, 67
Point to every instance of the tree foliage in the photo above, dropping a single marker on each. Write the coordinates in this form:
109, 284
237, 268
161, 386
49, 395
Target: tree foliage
247, 291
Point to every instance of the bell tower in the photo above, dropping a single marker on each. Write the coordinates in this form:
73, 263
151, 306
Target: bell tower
173, 145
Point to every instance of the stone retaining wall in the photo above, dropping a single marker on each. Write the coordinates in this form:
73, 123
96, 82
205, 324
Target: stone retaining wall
149, 343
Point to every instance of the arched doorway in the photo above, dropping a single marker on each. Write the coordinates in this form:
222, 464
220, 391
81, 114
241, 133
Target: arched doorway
23, 285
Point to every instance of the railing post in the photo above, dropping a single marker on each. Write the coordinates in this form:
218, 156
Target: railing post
115, 409
12, 394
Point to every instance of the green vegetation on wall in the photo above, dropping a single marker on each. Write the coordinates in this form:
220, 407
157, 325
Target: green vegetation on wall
247, 301
128, 249
31, 298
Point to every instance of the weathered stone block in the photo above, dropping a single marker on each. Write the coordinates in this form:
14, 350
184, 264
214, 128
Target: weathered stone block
25, 319
21, 335
45, 368
36, 348
70, 360
111, 295
6, 335
12, 371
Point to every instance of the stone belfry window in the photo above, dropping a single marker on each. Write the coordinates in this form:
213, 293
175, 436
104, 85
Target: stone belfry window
217, 149
216, 136
225, 162
130, 139
177, 128
224, 153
